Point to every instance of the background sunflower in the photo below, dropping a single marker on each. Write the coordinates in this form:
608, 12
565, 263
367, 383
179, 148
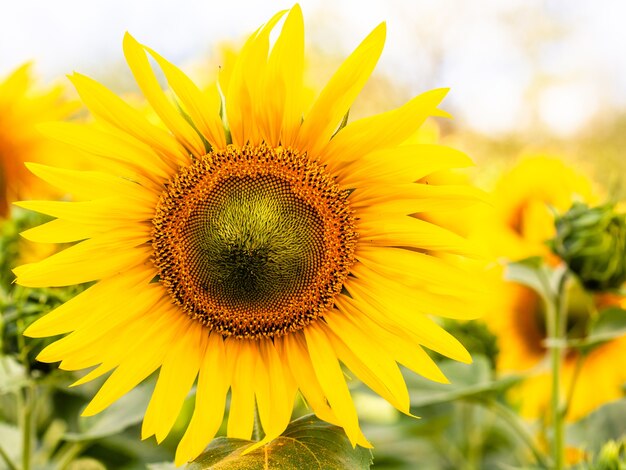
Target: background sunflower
23, 105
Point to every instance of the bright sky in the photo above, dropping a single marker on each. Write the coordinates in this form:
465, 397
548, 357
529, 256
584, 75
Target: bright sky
510, 63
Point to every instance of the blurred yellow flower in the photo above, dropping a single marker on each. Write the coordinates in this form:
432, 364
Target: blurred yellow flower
518, 227
522, 218
519, 324
22, 107
257, 254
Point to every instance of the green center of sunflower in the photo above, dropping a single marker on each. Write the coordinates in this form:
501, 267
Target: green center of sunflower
254, 241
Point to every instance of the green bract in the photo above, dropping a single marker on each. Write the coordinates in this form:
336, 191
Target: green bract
592, 241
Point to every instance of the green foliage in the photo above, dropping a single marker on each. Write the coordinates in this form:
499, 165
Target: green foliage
535, 274
612, 456
460, 424
476, 337
608, 325
306, 443
468, 382
602, 435
125, 412
604, 424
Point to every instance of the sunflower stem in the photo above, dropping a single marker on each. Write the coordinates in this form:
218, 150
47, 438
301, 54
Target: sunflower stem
572, 386
556, 323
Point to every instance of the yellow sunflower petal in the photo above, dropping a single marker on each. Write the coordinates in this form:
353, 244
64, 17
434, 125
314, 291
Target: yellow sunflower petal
127, 151
416, 269
202, 109
415, 198
71, 315
463, 302
336, 98
407, 231
59, 231
241, 417
143, 362
99, 325
404, 351
374, 367
144, 75
244, 93
275, 394
213, 383
427, 300
100, 212
142, 331
106, 256
404, 164
121, 210
295, 353
392, 312
282, 108
331, 379
113, 110
384, 130
176, 377
87, 185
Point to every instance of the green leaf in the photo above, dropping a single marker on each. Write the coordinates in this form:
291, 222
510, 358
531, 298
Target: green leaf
468, 381
610, 324
533, 273
306, 443
604, 424
125, 412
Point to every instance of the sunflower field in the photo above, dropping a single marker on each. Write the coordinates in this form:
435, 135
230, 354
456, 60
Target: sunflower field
253, 236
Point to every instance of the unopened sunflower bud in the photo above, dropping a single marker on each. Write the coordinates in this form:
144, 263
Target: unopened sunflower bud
611, 457
592, 241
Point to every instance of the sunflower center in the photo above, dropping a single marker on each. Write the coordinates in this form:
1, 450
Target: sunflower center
254, 241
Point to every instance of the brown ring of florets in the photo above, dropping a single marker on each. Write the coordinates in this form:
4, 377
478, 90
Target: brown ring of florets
254, 241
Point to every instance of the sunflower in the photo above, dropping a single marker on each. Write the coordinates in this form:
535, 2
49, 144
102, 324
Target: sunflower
22, 107
253, 250
522, 221
596, 378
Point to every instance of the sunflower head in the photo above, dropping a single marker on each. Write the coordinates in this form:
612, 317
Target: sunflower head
252, 244
525, 201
